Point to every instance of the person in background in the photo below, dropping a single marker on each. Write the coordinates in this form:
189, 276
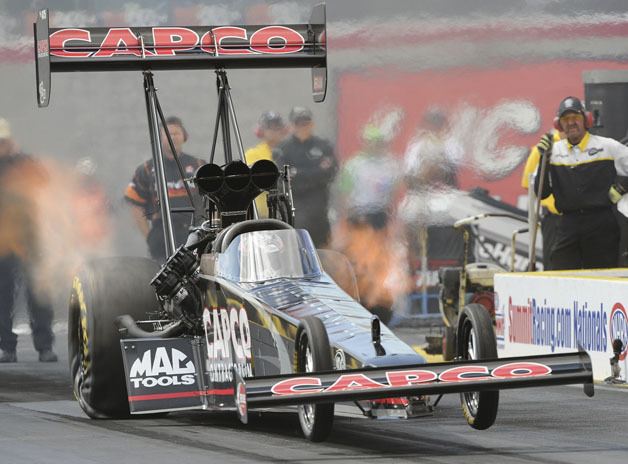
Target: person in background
368, 181
142, 195
432, 157
549, 213
587, 175
91, 208
271, 129
20, 175
365, 196
430, 166
313, 166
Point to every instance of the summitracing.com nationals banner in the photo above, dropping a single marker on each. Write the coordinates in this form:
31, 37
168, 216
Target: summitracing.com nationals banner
555, 312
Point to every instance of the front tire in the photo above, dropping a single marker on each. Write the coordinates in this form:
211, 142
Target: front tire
476, 340
102, 290
314, 355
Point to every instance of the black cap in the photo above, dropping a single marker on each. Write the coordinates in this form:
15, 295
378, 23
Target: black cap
570, 104
300, 114
271, 120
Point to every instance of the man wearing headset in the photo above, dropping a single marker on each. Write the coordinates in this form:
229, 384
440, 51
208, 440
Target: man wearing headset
141, 193
587, 174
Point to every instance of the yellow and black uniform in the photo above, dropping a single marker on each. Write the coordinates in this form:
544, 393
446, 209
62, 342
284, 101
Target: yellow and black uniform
549, 217
579, 178
142, 192
261, 151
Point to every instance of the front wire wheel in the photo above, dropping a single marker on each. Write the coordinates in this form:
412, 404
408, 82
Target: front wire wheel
314, 355
470, 399
307, 416
476, 340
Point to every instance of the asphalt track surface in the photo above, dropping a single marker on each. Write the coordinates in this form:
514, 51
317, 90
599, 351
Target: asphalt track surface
41, 423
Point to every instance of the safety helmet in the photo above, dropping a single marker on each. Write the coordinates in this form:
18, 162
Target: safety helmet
373, 134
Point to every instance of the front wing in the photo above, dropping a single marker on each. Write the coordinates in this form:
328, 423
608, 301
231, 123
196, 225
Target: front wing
172, 374
414, 380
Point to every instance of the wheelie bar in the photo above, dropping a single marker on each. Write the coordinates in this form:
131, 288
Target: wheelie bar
414, 380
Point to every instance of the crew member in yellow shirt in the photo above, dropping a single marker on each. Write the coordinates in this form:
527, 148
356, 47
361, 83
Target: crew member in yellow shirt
549, 213
271, 129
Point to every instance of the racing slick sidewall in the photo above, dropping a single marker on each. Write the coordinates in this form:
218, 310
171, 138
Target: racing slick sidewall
102, 290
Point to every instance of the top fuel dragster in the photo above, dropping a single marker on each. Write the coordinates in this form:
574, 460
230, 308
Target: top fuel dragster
247, 313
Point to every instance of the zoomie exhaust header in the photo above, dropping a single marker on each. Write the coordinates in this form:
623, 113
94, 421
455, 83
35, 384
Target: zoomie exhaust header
235, 186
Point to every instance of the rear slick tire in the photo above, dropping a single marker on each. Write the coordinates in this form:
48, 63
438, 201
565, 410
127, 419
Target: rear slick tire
102, 290
314, 355
476, 340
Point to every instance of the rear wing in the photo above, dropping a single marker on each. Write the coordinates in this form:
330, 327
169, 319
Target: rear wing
194, 47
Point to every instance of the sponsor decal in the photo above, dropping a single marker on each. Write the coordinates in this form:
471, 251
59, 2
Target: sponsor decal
120, 41
228, 338
241, 401
58, 40
160, 367
353, 382
618, 327
340, 361
315, 153
558, 326
318, 84
594, 151
499, 323
42, 48
520, 322
42, 92
404, 378
589, 326
170, 41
